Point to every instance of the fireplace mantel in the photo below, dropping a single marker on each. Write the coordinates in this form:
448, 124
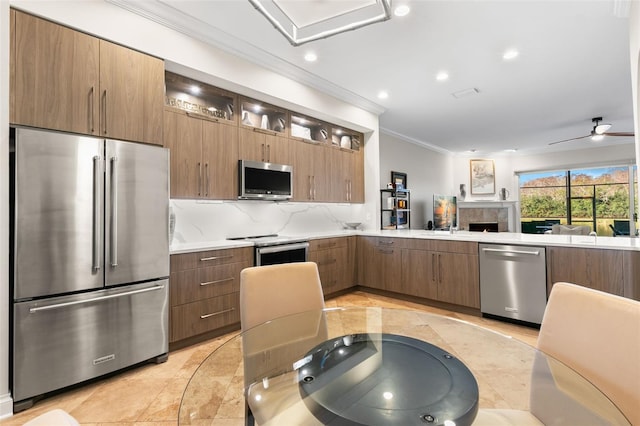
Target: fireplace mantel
491, 205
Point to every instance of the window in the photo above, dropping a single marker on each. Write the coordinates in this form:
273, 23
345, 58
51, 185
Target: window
597, 197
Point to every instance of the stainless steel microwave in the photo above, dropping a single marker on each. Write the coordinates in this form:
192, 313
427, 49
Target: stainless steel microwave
264, 181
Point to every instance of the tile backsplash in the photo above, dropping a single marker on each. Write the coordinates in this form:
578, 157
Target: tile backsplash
199, 220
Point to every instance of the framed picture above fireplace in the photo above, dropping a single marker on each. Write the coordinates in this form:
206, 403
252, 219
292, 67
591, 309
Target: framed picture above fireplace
482, 176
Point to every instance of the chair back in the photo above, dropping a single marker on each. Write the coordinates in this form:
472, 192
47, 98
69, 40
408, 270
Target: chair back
570, 229
268, 292
597, 334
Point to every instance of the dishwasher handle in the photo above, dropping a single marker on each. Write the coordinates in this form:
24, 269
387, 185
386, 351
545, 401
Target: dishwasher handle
504, 251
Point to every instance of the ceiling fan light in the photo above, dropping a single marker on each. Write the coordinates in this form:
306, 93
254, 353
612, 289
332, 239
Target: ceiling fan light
597, 137
601, 128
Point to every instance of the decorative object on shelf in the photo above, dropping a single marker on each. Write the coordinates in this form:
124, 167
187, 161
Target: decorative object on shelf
324, 134
399, 180
279, 127
504, 194
300, 131
345, 142
445, 211
246, 120
463, 191
482, 177
264, 124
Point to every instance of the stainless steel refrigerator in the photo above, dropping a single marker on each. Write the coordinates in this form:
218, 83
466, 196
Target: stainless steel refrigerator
89, 258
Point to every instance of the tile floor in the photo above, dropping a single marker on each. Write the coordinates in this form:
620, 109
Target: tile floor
151, 394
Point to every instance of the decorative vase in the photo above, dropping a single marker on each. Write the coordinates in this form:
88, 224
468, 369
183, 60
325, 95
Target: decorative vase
463, 191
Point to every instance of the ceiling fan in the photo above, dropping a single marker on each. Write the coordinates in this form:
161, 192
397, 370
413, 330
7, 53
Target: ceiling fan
598, 132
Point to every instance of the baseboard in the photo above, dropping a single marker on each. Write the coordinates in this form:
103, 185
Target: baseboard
6, 406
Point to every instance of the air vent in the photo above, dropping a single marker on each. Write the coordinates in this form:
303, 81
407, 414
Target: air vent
465, 93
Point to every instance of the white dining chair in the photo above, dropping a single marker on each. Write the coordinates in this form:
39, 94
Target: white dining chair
55, 417
595, 333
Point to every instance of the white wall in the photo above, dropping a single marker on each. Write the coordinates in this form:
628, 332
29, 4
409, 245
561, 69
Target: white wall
428, 172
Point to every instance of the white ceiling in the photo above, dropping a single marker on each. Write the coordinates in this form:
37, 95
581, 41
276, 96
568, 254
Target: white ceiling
573, 65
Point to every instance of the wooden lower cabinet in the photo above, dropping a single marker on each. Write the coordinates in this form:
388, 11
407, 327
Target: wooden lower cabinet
599, 269
380, 263
204, 290
445, 271
335, 258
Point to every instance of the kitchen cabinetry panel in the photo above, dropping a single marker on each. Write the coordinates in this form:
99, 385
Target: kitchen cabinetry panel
382, 266
204, 157
56, 76
70, 81
131, 94
335, 258
419, 273
594, 268
311, 172
205, 290
258, 145
205, 315
12, 64
459, 279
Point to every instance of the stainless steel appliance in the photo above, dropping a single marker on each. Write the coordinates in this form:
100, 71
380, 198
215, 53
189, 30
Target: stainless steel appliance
513, 281
90, 258
275, 249
264, 181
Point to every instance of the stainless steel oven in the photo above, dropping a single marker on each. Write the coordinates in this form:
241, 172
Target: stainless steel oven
275, 249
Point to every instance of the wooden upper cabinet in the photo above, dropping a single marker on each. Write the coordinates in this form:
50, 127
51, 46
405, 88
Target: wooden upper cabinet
183, 137
12, 64
220, 159
131, 94
56, 76
256, 145
70, 81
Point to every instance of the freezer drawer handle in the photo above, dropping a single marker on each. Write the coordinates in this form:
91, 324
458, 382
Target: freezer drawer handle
204, 259
532, 253
217, 281
217, 313
94, 299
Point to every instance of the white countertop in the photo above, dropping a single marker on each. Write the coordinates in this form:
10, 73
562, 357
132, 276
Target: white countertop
584, 241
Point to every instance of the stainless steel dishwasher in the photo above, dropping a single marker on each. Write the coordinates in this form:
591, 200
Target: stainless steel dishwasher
513, 281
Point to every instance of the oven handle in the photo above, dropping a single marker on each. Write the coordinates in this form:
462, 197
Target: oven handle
282, 247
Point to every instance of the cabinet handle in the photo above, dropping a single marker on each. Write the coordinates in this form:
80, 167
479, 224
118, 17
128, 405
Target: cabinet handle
217, 313
385, 243
91, 112
264, 151
206, 173
314, 187
104, 109
439, 268
199, 179
217, 281
310, 197
202, 117
433, 267
268, 132
386, 251
268, 152
205, 259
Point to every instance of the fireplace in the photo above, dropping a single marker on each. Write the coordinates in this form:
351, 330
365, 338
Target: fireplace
502, 213
483, 226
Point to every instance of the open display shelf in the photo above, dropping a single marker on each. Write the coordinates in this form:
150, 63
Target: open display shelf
395, 209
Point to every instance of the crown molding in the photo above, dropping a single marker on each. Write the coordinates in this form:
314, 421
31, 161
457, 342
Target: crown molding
173, 18
414, 141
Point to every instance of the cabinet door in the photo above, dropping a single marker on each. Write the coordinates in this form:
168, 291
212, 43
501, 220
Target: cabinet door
383, 267
183, 137
303, 170
419, 273
459, 279
341, 164
598, 269
252, 145
278, 149
357, 179
131, 94
220, 160
56, 76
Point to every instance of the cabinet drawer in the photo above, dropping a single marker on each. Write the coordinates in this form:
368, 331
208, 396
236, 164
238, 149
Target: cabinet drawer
203, 283
447, 246
327, 243
329, 258
182, 262
195, 318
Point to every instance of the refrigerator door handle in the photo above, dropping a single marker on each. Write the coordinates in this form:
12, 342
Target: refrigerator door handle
114, 212
96, 212
94, 299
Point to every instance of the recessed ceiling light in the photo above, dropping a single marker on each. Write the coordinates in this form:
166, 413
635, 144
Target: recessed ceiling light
310, 57
402, 10
194, 89
510, 150
442, 76
383, 94
510, 54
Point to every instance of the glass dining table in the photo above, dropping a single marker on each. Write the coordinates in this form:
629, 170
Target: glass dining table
386, 366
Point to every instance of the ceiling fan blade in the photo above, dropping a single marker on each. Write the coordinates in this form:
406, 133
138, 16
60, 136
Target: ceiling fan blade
568, 140
619, 134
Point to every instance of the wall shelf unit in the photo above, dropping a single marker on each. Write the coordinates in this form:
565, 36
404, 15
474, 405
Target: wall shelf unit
395, 209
